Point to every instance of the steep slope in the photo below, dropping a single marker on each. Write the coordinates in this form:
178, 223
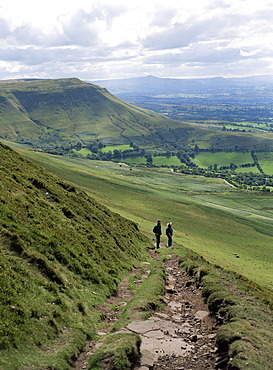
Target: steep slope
59, 114
61, 254
54, 112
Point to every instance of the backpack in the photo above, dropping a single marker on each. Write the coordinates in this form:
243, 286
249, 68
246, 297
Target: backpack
157, 229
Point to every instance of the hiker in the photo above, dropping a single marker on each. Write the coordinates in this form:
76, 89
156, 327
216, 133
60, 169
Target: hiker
157, 232
169, 233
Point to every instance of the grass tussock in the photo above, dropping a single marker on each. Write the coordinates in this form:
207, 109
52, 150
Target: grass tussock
61, 254
244, 310
116, 352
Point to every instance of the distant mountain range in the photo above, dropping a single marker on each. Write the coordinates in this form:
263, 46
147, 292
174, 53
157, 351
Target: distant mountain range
152, 86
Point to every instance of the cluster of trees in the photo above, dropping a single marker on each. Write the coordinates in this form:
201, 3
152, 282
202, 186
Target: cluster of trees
255, 159
249, 181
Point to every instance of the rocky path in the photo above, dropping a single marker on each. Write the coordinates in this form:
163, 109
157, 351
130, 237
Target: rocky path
181, 337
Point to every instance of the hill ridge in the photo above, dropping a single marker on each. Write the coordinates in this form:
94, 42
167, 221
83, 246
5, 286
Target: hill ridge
50, 113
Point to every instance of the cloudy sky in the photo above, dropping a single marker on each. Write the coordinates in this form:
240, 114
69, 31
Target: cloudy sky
108, 39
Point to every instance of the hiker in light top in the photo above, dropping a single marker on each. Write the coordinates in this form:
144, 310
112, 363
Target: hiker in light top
157, 232
169, 233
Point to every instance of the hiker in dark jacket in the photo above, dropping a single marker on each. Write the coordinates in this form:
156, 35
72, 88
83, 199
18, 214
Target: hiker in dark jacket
169, 233
157, 232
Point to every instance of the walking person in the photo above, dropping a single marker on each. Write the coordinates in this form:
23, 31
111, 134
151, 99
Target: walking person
169, 233
157, 232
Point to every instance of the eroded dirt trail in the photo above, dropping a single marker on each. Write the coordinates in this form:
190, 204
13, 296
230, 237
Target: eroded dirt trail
192, 329
181, 337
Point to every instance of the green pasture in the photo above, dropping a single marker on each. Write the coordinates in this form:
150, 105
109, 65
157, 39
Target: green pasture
84, 151
157, 161
111, 148
248, 126
166, 161
228, 227
266, 162
136, 160
204, 160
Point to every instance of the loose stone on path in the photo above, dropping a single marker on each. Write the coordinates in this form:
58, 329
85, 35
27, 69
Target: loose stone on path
181, 337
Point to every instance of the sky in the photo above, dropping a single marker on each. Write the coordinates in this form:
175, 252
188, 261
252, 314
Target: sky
96, 40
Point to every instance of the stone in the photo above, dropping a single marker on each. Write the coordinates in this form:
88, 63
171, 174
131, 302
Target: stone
201, 314
154, 334
141, 327
177, 318
161, 315
175, 305
211, 336
100, 333
193, 338
170, 289
147, 359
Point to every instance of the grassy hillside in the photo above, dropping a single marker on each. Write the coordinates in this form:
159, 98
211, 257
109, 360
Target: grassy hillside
61, 254
223, 235
50, 114
209, 216
53, 112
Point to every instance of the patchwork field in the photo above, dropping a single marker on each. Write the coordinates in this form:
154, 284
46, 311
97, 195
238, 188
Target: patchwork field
266, 162
228, 227
204, 160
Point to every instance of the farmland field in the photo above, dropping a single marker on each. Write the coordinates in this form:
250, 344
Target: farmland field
116, 147
228, 227
266, 162
222, 159
164, 161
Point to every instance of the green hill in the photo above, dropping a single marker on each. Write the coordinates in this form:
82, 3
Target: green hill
46, 114
61, 254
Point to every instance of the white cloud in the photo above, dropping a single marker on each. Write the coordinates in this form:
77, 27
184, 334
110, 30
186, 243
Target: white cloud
116, 39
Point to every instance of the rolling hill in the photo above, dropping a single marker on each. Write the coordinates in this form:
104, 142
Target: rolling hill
55, 112
61, 254
46, 114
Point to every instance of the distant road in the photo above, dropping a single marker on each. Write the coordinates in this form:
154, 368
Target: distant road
240, 210
233, 186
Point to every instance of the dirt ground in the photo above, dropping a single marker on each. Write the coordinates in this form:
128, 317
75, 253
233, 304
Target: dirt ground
180, 290
201, 331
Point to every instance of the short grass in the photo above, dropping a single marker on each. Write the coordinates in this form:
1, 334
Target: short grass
111, 148
245, 336
204, 160
209, 217
136, 160
61, 254
266, 162
166, 161
230, 231
116, 352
